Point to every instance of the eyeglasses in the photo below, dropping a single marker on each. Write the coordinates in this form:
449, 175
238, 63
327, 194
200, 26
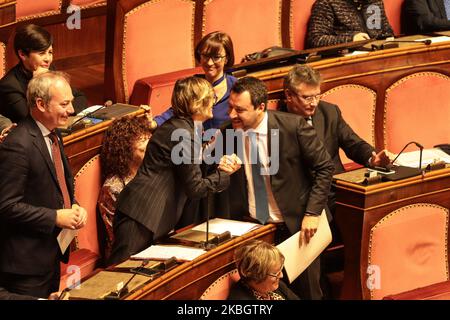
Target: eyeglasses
309, 99
215, 59
277, 275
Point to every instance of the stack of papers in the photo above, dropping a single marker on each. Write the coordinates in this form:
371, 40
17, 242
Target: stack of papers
411, 159
164, 252
236, 228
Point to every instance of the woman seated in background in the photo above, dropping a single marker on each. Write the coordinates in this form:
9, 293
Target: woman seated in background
33, 46
338, 21
214, 53
121, 155
150, 206
260, 266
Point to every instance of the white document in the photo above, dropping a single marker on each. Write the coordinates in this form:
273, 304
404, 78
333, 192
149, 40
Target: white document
435, 39
65, 237
236, 228
411, 159
299, 257
164, 252
89, 110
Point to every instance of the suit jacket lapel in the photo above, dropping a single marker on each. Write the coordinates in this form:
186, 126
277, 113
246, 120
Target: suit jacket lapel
38, 141
319, 123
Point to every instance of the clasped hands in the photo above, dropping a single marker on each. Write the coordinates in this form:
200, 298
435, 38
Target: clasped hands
230, 163
74, 218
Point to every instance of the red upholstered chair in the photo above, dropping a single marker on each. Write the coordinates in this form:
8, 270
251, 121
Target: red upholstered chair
88, 3
437, 291
393, 9
417, 107
2, 59
273, 104
252, 25
298, 27
26, 9
87, 188
156, 91
408, 250
220, 288
157, 38
357, 104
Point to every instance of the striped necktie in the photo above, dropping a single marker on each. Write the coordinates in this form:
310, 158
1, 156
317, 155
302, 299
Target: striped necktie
59, 167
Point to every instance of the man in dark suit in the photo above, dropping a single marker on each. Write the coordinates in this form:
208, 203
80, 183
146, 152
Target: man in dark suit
298, 172
36, 192
425, 16
302, 91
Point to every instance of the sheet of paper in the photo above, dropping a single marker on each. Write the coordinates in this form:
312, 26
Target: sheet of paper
436, 39
164, 252
65, 237
89, 110
236, 228
299, 257
411, 159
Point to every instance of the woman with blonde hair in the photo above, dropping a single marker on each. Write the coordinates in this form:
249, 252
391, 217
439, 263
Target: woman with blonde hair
150, 206
260, 266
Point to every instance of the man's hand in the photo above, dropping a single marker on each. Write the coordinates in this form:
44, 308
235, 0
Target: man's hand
5, 131
74, 218
309, 228
230, 164
380, 159
361, 36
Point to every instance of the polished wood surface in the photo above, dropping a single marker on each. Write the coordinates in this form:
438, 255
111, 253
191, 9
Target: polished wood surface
189, 280
359, 208
376, 70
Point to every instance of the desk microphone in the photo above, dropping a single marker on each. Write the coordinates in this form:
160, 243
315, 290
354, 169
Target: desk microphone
402, 172
115, 295
69, 129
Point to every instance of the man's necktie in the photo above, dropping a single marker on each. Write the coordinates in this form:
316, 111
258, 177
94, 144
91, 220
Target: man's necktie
57, 160
447, 8
309, 121
259, 186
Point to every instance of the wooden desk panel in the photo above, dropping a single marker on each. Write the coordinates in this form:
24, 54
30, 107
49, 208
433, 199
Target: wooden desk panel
189, 280
359, 208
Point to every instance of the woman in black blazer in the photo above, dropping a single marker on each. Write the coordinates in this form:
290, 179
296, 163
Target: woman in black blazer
34, 48
151, 204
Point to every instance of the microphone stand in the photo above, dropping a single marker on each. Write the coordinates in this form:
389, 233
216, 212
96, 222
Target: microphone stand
116, 295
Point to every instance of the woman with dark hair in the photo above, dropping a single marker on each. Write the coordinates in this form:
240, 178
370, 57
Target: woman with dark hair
33, 46
151, 205
338, 21
122, 152
260, 267
214, 53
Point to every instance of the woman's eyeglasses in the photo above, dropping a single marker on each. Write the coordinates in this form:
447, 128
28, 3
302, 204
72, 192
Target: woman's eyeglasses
214, 59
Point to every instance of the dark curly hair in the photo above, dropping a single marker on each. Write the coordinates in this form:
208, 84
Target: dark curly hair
116, 154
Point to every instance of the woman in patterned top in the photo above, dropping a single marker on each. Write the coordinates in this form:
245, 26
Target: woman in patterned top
121, 155
338, 21
260, 266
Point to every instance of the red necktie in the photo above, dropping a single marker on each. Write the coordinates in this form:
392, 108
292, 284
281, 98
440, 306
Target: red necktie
57, 160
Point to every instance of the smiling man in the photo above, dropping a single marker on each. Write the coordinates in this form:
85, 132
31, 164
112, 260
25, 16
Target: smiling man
36, 192
294, 195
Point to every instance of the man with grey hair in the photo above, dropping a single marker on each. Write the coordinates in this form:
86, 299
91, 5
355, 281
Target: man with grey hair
36, 192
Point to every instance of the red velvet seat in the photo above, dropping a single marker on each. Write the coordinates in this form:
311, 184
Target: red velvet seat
393, 9
87, 188
2, 59
88, 3
408, 250
26, 9
157, 38
252, 25
298, 27
220, 289
437, 291
417, 108
357, 104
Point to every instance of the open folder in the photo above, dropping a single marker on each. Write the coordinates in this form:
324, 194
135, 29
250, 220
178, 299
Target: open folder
299, 257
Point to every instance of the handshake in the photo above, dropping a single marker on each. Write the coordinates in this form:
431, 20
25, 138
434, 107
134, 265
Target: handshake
230, 163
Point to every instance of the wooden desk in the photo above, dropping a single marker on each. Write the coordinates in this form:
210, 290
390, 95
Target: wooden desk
359, 208
189, 280
84, 144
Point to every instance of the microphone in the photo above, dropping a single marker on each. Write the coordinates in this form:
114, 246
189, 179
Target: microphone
115, 295
402, 172
69, 129
393, 43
